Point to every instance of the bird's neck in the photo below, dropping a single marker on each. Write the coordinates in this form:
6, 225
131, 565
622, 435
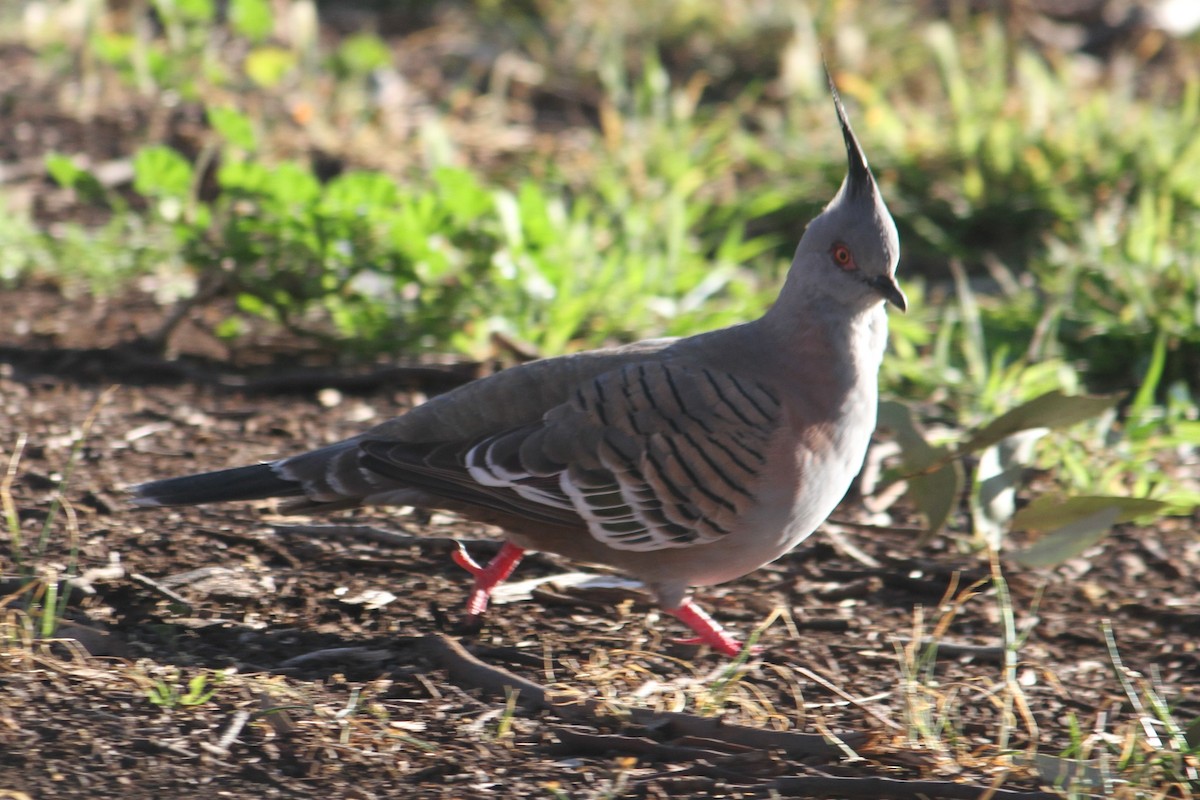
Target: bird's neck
849, 341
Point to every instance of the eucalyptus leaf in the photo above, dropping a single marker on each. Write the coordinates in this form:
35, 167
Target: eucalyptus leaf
1048, 512
1051, 410
901, 420
1068, 541
935, 495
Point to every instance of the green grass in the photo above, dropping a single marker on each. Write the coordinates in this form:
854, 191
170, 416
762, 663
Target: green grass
1137, 749
1080, 195
45, 584
172, 693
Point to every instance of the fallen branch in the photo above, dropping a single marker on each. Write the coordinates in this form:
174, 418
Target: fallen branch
891, 788
361, 655
677, 725
469, 672
574, 741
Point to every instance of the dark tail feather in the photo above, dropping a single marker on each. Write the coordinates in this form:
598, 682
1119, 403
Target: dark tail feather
240, 483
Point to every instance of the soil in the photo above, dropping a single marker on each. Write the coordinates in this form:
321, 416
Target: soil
330, 653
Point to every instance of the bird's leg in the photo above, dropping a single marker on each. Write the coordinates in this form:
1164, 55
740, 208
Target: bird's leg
711, 632
489, 577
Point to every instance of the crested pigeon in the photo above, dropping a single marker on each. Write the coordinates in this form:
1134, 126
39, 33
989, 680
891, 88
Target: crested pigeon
683, 462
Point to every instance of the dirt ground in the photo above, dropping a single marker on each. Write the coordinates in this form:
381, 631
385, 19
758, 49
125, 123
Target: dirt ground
339, 668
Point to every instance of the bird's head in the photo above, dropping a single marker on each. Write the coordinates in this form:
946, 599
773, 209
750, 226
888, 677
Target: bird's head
849, 252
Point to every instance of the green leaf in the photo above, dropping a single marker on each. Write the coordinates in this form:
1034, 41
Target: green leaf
251, 304
462, 194
362, 53
230, 328
935, 478
292, 184
233, 126
361, 192
935, 494
1052, 410
194, 10
244, 177
268, 65
1068, 541
901, 420
1180, 501
1047, 512
160, 694
251, 18
198, 11
63, 170
161, 172
115, 49
67, 173
198, 692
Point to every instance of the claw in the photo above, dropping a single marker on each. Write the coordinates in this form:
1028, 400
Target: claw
464, 560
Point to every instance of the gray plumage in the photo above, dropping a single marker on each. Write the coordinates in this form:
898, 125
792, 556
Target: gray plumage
684, 462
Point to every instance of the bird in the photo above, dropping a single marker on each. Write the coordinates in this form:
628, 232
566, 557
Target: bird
684, 462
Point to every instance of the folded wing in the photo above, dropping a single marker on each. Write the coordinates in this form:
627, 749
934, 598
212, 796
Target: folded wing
651, 455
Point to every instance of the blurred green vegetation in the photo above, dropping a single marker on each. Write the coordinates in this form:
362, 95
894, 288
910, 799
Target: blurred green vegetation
568, 175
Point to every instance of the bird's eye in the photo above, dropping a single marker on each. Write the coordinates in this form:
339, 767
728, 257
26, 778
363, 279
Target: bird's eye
842, 257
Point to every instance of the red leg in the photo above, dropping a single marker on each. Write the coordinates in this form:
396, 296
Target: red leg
711, 633
487, 578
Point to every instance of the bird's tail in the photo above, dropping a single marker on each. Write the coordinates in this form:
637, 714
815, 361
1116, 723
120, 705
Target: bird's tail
256, 482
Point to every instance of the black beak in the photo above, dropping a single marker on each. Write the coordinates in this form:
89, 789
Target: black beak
889, 290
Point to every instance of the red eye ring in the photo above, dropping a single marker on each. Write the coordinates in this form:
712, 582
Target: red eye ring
842, 256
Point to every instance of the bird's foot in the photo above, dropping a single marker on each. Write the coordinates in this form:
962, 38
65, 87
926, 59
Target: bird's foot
489, 577
710, 631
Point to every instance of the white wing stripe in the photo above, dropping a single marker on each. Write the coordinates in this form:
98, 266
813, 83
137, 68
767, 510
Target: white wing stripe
542, 496
484, 471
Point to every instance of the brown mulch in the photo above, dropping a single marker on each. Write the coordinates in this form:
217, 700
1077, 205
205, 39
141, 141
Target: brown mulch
339, 665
